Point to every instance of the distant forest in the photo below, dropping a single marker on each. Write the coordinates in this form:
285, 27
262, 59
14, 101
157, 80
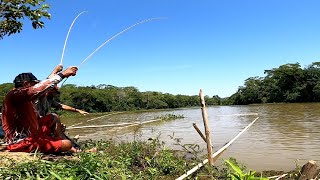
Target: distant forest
287, 83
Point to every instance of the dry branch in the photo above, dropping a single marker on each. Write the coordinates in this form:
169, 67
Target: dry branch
206, 127
200, 133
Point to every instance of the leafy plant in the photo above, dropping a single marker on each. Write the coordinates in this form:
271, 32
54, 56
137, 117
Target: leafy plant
167, 117
12, 13
240, 175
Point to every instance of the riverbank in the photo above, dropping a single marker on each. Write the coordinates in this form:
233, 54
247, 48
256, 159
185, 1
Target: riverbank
131, 160
285, 133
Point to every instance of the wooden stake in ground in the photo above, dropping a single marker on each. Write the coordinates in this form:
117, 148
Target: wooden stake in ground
217, 153
309, 170
206, 127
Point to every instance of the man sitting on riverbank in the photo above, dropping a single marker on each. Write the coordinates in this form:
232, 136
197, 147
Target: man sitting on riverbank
47, 101
24, 131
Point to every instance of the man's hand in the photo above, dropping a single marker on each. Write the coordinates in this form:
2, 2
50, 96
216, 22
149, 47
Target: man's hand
70, 71
57, 69
82, 112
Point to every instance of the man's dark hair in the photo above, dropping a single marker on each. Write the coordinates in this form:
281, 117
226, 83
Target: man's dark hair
28, 77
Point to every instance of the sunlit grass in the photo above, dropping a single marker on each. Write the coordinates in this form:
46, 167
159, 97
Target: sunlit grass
125, 160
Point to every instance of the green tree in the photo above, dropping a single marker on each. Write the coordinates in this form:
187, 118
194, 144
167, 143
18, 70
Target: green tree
13, 12
287, 83
4, 89
252, 93
153, 100
289, 80
312, 82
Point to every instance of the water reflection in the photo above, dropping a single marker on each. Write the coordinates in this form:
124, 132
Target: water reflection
282, 134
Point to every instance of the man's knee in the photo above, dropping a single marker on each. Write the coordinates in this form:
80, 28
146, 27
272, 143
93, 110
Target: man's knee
66, 145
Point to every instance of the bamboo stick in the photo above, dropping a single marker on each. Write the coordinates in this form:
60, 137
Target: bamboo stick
200, 133
98, 126
217, 153
121, 125
278, 177
206, 127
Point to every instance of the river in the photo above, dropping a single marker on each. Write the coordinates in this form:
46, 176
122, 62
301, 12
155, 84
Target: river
285, 135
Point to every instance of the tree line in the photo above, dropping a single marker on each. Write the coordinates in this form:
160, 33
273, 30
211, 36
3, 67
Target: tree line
107, 98
287, 83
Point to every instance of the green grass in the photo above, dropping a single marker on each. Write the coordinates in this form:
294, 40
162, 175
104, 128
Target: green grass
125, 160
133, 160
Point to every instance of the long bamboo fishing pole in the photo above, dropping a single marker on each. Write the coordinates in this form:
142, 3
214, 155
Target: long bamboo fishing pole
217, 153
121, 32
99, 126
66, 40
114, 36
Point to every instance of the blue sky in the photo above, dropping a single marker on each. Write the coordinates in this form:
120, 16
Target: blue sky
210, 45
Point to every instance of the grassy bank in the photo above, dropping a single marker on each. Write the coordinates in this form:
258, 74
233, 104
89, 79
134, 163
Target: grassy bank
150, 159
131, 160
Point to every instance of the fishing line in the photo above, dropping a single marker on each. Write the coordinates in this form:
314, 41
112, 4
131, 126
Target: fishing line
65, 42
99, 117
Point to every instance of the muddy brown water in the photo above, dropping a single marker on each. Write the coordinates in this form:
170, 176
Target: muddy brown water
285, 135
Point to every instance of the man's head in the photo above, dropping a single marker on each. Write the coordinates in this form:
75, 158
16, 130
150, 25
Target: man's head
25, 80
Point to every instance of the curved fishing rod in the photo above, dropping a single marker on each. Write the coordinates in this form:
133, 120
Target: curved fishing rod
65, 42
114, 36
121, 32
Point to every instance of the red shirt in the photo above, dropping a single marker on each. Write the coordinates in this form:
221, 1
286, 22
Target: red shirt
19, 115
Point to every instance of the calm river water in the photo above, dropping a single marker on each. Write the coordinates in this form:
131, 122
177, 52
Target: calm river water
284, 134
